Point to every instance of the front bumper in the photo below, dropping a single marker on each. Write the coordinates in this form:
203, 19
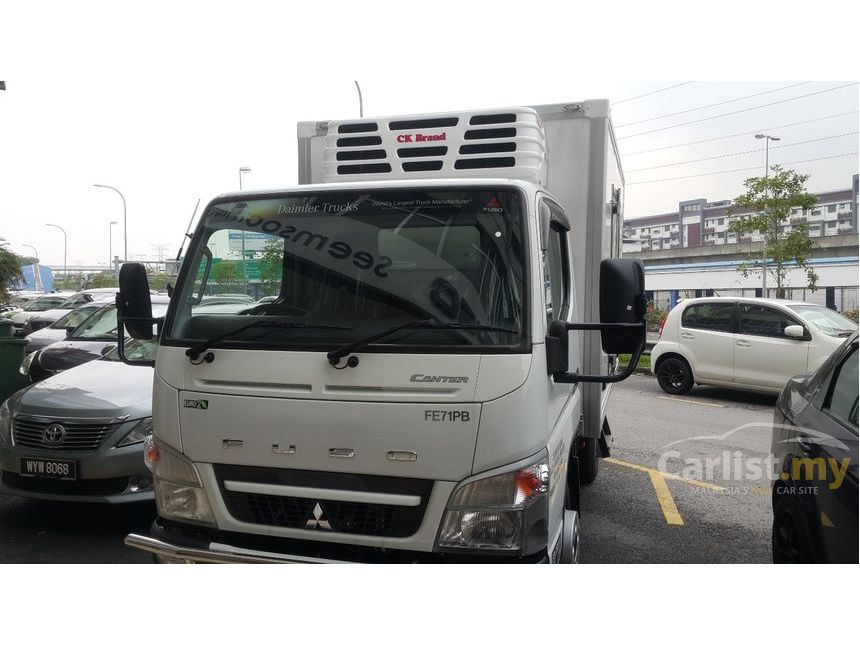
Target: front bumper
166, 552
172, 542
107, 475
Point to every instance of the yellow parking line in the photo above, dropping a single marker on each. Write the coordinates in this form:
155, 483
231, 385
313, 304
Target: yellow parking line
675, 398
664, 496
645, 469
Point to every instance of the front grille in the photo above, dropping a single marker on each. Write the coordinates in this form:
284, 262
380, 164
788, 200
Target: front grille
355, 518
79, 437
113, 486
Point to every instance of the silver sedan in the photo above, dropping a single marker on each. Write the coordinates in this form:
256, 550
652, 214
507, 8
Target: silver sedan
78, 436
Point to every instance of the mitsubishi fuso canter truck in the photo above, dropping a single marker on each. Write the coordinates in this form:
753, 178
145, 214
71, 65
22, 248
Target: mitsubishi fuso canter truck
424, 373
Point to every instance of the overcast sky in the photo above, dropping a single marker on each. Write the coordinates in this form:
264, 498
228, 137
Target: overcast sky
167, 105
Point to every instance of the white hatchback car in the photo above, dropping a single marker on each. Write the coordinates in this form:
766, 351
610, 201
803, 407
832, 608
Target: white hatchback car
744, 343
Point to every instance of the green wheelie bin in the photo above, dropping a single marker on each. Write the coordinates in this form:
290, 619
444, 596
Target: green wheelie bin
11, 354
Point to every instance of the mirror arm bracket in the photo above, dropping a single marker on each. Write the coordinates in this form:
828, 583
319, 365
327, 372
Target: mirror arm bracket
572, 377
120, 338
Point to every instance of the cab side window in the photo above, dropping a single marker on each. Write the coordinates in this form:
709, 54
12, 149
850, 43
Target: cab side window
556, 277
842, 398
759, 320
712, 316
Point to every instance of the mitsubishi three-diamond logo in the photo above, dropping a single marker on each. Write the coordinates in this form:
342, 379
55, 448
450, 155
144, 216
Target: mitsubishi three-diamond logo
318, 520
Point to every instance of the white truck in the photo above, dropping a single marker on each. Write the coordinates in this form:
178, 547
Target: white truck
410, 393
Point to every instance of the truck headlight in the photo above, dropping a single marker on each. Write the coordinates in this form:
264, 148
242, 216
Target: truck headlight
179, 492
141, 430
27, 362
500, 511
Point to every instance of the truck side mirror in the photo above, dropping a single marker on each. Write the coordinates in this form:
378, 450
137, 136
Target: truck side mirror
133, 302
622, 300
621, 326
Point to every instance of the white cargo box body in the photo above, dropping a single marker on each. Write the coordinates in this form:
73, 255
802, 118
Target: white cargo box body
567, 148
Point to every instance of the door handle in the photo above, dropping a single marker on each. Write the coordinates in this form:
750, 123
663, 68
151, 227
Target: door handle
743, 343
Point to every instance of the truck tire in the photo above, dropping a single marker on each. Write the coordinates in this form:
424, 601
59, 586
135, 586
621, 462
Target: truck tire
570, 538
674, 375
588, 454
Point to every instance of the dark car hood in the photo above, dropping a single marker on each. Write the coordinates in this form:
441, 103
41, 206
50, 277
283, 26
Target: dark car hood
43, 338
97, 389
66, 354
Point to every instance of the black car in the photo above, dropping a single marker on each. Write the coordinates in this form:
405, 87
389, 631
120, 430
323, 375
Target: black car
815, 446
89, 341
61, 328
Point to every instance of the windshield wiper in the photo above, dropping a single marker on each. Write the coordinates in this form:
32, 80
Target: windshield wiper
334, 356
194, 351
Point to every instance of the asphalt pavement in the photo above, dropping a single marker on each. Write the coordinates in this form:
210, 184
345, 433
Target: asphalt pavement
641, 508
709, 506
37, 532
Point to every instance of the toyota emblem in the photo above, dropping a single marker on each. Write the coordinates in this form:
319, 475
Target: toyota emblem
53, 435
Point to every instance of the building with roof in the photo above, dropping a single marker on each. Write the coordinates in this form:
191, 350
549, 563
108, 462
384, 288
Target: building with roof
691, 253
698, 222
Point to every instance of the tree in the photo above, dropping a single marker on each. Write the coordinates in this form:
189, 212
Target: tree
272, 267
100, 281
159, 281
10, 272
226, 273
768, 202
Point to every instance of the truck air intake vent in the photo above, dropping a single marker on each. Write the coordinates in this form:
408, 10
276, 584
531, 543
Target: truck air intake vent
353, 128
415, 166
487, 119
363, 168
431, 151
485, 162
415, 124
359, 155
491, 133
345, 142
507, 144
484, 148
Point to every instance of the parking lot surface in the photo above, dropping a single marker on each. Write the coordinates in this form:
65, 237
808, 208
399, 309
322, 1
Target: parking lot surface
631, 513
717, 513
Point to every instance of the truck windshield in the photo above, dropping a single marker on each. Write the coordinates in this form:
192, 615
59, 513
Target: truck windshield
349, 264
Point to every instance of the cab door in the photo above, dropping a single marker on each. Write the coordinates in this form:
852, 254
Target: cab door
764, 355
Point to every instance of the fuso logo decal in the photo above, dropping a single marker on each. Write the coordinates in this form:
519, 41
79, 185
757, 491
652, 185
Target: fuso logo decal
494, 205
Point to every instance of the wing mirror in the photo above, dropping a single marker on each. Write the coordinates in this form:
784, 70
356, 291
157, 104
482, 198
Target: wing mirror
133, 302
621, 326
134, 308
794, 331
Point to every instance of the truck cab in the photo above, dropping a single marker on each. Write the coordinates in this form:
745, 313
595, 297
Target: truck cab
410, 390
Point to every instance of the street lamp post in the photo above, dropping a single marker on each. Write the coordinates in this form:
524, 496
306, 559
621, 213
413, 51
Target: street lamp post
35, 252
110, 246
242, 171
767, 139
124, 221
37, 276
65, 250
